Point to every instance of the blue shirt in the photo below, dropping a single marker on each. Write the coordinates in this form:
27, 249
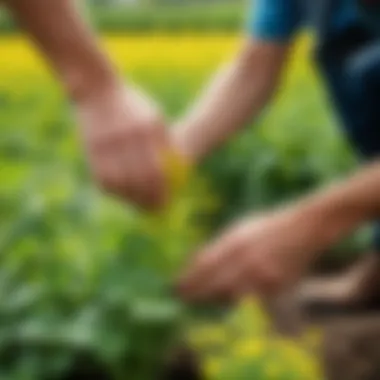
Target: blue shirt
279, 20
352, 74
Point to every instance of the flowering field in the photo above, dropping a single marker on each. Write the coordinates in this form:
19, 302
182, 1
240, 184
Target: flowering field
87, 283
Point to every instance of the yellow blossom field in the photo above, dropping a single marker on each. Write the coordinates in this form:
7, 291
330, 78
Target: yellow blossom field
155, 52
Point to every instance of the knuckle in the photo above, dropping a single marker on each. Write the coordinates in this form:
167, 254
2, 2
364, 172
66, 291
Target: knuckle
273, 280
107, 183
270, 278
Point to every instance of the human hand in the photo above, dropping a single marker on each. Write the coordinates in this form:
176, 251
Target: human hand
262, 255
125, 137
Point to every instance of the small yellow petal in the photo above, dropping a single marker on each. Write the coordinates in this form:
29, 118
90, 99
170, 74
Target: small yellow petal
177, 171
249, 349
212, 368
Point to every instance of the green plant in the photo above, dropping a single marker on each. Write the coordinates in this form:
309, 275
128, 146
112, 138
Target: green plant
170, 18
86, 283
244, 346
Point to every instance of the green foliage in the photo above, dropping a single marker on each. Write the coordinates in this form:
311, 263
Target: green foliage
6, 23
244, 346
226, 17
85, 282
86, 285
294, 150
173, 19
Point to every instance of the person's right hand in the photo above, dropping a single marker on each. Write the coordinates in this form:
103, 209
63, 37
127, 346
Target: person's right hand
264, 255
125, 138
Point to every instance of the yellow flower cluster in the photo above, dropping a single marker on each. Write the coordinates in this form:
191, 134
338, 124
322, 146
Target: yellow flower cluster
130, 52
154, 52
243, 347
177, 170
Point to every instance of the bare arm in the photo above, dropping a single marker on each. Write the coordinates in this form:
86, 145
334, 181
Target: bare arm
338, 210
271, 252
67, 42
237, 94
122, 131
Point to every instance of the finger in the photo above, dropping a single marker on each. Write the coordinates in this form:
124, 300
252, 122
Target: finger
265, 276
155, 145
153, 181
130, 165
248, 282
240, 282
244, 286
220, 287
107, 141
104, 172
140, 171
104, 152
243, 289
208, 263
209, 253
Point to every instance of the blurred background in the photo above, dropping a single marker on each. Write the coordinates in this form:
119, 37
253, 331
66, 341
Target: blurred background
86, 284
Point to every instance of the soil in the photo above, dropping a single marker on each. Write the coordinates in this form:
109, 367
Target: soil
352, 347
182, 366
351, 338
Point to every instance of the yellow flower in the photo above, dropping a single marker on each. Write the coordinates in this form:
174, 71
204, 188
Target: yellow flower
310, 369
212, 368
249, 349
273, 371
298, 358
177, 171
250, 319
250, 304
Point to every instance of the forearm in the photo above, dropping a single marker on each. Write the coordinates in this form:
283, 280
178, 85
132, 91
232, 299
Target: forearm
67, 42
339, 210
236, 96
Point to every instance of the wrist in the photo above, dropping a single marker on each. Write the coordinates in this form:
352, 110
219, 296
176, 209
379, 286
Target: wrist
184, 145
333, 215
86, 81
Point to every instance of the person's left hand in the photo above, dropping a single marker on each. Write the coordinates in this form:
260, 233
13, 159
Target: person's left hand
261, 255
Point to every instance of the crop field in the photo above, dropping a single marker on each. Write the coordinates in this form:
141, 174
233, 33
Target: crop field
84, 280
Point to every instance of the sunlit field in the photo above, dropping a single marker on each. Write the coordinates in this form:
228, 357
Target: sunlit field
190, 57
131, 52
72, 260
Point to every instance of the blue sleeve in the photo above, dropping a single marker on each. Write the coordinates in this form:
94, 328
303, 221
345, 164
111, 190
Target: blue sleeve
274, 20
